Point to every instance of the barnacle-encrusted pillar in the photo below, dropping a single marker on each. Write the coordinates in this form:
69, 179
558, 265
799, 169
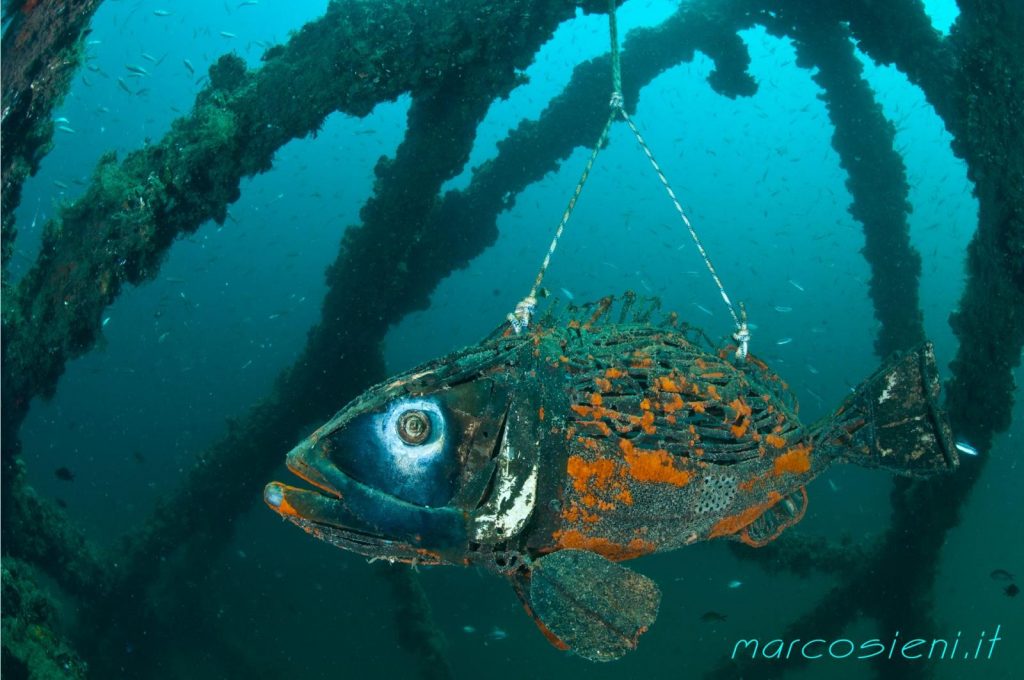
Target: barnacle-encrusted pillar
876, 175
40, 51
973, 79
990, 320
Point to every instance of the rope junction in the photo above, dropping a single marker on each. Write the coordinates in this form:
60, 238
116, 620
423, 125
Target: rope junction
520, 318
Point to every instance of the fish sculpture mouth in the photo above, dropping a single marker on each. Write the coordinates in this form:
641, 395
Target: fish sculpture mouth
349, 514
281, 498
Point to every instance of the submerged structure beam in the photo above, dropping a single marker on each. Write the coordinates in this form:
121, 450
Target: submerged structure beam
990, 320
40, 51
876, 176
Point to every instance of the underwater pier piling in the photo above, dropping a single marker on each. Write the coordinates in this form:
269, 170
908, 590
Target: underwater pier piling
876, 175
139, 206
40, 52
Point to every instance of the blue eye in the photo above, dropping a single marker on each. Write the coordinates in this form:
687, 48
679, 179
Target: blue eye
406, 451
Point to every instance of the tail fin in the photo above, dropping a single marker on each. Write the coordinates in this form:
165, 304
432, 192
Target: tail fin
893, 420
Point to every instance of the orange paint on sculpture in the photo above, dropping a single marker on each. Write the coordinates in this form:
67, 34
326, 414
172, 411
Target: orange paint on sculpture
797, 460
617, 552
652, 466
582, 471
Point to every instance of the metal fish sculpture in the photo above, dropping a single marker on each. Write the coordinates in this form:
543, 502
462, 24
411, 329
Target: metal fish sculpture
550, 457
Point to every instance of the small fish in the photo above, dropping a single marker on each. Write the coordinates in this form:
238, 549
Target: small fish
91, 43
567, 294
1001, 575
60, 185
249, 3
704, 309
246, 365
468, 630
832, 485
226, 34
189, 67
812, 369
782, 309
966, 449
105, 322
66, 128
497, 634
163, 336
60, 120
64, 474
162, 13
1011, 590
710, 617
124, 86
784, 341
138, 70
733, 585
796, 285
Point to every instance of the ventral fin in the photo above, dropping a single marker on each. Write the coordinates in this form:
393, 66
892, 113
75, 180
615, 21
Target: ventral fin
589, 604
775, 519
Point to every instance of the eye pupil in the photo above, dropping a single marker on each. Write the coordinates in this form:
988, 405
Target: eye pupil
414, 427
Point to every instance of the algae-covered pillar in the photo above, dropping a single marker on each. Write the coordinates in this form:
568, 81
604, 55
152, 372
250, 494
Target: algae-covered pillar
990, 137
40, 51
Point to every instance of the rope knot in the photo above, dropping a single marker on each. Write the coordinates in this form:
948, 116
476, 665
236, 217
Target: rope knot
742, 338
617, 100
520, 318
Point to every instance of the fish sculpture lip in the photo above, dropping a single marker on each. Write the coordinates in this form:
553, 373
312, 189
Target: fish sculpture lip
284, 498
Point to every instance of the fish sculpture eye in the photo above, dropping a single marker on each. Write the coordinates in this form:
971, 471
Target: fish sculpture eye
413, 427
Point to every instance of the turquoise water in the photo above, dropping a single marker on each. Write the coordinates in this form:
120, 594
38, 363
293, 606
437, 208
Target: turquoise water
232, 305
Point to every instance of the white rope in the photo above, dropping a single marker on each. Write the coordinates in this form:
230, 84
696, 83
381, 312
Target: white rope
520, 318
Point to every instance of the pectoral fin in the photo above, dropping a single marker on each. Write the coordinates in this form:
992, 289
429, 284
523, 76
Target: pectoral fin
591, 605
